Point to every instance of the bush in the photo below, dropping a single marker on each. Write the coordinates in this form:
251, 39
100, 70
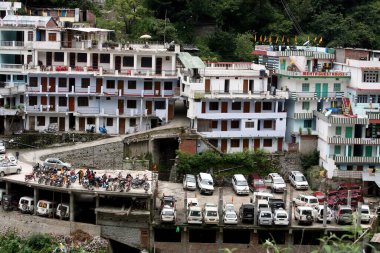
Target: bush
39, 241
309, 160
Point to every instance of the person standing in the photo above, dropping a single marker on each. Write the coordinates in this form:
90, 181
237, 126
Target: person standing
17, 155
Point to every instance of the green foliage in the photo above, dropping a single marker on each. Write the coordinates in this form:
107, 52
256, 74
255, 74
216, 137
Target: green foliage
244, 47
245, 162
310, 159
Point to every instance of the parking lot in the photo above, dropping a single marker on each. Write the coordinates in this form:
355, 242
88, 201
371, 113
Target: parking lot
228, 196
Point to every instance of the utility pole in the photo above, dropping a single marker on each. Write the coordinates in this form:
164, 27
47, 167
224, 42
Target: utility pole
166, 11
349, 198
324, 214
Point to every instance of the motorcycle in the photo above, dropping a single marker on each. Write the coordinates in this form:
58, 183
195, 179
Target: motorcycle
146, 187
86, 184
68, 183
29, 177
121, 185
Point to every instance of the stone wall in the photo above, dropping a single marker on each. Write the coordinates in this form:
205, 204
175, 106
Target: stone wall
105, 157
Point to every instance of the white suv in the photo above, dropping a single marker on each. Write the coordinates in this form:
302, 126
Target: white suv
210, 214
318, 214
365, 214
304, 214
240, 185
275, 182
306, 200
280, 217
298, 180
168, 214
205, 183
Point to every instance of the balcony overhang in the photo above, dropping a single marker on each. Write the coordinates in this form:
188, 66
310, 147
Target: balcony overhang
341, 120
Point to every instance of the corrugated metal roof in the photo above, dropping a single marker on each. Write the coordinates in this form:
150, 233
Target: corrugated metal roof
191, 62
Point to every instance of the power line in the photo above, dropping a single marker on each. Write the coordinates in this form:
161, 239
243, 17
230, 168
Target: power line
291, 16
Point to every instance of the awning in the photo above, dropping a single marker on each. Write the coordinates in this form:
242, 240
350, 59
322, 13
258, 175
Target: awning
191, 62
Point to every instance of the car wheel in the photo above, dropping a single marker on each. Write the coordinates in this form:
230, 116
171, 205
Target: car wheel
2, 174
18, 171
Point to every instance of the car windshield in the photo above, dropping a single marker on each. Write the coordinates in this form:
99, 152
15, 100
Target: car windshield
266, 215
24, 201
306, 212
313, 201
195, 213
282, 215
241, 183
346, 211
300, 178
231, 215
365, 211
229, 207
168, 212
212, 213
207, 182
190, 179
278, 180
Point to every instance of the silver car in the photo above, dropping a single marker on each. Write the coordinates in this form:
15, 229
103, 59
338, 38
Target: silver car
57, 163
265, 217
189, 182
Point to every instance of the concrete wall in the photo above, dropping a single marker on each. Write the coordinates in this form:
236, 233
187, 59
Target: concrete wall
106, 157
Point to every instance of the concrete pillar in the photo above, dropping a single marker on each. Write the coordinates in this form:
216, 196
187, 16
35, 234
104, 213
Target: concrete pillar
7, 187
112, 65
97, 123
96, 206
72, 206
135, 61
220, 240
36, 58
346, 150
167, 110
173, 66
35, 198
184, 239
142, 113
153, 64
65, 58
88, 59
377, 151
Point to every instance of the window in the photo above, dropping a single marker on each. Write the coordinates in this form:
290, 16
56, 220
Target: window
267, 143
236, 106
82, 57
235, 124
305, 87
267, 124
128, 61
338, 130
40, 120
104, 58
132, 122
168, 85
82, 101
148, 85
213, 106
235, 143
85, 82
307, 123
249, 124
146, 62
72, 82
53, 120
30, 36
131, 84
109, 121
110, 84
159, 105
362, 99
131, 104
58, 56
371, 76
214, 124
337, 150
62, 101
91, 121
21, 99
33, 81
267, 106
227, 85
62, 82
372, 98
348, 132
32, 100
52, 37
336, 86
306, 105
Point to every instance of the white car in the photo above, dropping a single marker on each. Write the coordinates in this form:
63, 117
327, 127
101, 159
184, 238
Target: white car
304, 214
318, 214
56, 163
365, 214
7, 168
298, 180
280, 217
265, 217
63, 211
189, 182
26, 205
205, 183
192, 202
275, 182
306, 200
194, 215
240, 184
210, 214
46, 208
228, 207
168, 214
230, 217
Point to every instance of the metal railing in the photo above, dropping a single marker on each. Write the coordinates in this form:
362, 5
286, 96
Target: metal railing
11, 43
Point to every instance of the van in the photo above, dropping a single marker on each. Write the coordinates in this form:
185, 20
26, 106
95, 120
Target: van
246, 213
26, 205
210, 214
365, 214
261, 196
306, 200
265, 217
63, 211
205, 183
240, 185
46, 208
194, 215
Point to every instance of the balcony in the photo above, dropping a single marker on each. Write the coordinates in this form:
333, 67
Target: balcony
357, 159
307, 96
11, 44
11, 67
303, 115
355, 141
306, 74
231, 94
341, 119
373, 115
348, 174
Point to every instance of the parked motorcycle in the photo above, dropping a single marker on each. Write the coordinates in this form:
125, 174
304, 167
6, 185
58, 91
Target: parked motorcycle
29, 177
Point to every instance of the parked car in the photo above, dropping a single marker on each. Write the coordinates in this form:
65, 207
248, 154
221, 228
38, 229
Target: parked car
26, 205
168, 201
262, 204
298, 180
276, 204
205, 183
192, 202
2, 147
304, 215
305, 200
261, 196
256, 183
280, 217
194, 215
275, 182
168, 214
365, 214
57, 163
10, 202
46, 208
210, 214
7, 168
230, 217
228, 207
240, 185
265, 217
320, 196
189, 182
246, 213
344, 215
63, 211
318, 213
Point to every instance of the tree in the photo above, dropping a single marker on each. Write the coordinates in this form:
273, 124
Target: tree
244, 47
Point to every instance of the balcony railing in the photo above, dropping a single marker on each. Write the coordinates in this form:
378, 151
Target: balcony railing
303, 115
357, 159
316, 95
341, 119
333, 74
11, 43
11, 67
362, 141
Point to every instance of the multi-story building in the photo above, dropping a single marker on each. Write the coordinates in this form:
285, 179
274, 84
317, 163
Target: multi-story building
230, 105
307, 74
72, 78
